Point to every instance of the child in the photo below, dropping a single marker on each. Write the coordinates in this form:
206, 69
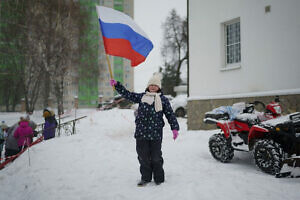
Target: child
11, 143
23, 134
50, 124
149, 127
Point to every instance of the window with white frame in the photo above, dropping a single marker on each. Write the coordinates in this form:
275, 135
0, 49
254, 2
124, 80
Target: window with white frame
232, 42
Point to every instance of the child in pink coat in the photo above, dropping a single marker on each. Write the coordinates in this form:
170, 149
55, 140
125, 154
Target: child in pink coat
23, 134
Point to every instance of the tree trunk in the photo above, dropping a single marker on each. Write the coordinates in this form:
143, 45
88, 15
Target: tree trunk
46, 91
178, 69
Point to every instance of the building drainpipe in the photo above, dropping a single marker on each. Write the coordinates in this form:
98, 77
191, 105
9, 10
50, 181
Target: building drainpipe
188, 52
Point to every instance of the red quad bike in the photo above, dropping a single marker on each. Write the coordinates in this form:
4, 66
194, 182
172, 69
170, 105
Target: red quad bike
273, 139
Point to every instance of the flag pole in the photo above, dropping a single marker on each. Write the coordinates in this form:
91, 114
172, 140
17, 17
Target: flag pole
109, 68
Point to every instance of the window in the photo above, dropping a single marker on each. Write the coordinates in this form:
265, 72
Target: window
232, 42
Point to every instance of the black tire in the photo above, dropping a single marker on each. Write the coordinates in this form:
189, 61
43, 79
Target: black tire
180, 112
268, 156
221, 148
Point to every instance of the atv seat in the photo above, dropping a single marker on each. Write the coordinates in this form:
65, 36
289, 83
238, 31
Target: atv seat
223, 116
247, 118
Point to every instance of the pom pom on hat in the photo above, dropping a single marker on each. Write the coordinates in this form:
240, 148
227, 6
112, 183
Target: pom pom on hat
155, 80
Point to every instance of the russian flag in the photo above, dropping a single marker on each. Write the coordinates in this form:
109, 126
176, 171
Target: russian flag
122, 36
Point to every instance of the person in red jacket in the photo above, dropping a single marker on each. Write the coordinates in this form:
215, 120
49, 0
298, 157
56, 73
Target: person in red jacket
23, 134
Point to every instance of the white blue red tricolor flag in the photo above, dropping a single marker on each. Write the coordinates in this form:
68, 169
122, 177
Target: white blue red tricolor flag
122, 36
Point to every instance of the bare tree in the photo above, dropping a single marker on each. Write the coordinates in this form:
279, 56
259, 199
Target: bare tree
49, 33
20, 31
52, 33
174, 49
62, 52
35, 51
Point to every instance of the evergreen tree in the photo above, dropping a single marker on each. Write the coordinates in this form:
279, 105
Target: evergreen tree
11, 53
168, 79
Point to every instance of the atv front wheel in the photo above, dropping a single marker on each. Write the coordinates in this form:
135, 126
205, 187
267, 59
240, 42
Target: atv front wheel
221, 148
268, 156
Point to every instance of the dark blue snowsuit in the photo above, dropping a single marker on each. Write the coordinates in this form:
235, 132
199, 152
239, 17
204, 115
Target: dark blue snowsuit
148, 133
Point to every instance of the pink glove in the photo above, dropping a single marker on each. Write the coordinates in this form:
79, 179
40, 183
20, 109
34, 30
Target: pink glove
113, 82
175, 134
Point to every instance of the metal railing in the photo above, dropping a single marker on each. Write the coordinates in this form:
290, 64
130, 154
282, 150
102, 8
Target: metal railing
68, 128
65, 128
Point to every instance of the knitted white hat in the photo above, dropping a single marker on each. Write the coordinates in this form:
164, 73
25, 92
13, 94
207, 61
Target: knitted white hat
155, 80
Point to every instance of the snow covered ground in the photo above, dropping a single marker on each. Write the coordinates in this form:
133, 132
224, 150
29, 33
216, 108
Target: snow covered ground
100, 162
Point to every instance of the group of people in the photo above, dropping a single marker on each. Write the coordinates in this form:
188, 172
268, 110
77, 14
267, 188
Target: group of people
20, 135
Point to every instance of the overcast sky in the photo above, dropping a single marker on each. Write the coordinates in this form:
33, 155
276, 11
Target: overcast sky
149, 15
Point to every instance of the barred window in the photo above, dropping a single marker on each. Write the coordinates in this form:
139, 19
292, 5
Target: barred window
232, 42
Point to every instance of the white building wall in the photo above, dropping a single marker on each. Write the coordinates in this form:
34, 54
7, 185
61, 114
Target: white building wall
270, 47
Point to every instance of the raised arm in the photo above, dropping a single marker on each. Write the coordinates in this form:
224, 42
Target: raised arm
132, 96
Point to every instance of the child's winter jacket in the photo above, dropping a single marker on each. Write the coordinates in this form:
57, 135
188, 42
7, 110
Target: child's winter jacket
149, 123
24, 134
49, 128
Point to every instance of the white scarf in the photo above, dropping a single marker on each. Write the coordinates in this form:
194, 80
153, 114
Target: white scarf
149, 98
